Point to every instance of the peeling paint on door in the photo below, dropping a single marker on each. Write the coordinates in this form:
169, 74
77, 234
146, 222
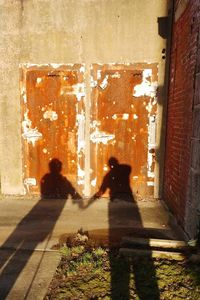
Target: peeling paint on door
101, 137
52, 101
51, 115
146, 87
123, 113
124, 107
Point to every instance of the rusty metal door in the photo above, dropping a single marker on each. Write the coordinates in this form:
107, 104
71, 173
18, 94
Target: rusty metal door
52, 115
123, 122
123, 112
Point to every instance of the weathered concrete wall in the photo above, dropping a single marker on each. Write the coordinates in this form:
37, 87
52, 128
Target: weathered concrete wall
10, 47
182, 181
74, 31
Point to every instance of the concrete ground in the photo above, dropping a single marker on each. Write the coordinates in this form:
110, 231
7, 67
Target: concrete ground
30, 229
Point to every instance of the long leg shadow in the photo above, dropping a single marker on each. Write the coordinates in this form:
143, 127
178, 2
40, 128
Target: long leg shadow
135, 274
22, 238
35, 227
122, 212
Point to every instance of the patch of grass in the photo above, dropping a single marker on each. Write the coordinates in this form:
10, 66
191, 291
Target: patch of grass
91, 273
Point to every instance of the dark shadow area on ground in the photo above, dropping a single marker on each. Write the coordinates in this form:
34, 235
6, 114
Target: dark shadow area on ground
118, 183
53, 186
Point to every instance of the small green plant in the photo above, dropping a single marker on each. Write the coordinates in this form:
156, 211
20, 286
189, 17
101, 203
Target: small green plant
99, 252
86, 258
66, 251
77, 251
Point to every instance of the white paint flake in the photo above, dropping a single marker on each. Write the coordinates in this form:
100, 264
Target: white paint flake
152, 132
98, 74
81, 181
151, 145
116, 75
51, 115
150, 183
147, 73
80, 119
101, 137
104, 83
94, 182
39, 80
32, 135
150, 174
125, 116
25, 98
93, 83
55, 66
30, 181
105, 168
114, 117
154, 101
146, 88
23, 94
82, 69
134, 138
81, 175
44, 150
78, 90
149, 107
135, 117
95, 124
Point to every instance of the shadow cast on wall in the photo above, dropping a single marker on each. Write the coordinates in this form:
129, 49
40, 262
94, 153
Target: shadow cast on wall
54, 185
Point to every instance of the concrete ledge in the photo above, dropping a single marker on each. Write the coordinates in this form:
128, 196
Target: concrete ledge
152, 254
160, 243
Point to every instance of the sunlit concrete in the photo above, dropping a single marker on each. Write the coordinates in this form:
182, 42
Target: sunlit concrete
40, 223
30, 228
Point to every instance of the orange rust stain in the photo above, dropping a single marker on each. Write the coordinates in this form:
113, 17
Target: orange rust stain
52, 108
118, 113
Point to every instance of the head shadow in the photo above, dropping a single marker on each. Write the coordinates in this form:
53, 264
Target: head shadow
117, 181
54, 185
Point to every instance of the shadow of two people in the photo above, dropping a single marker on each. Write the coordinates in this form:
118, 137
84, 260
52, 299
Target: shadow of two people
117, 181
56, 186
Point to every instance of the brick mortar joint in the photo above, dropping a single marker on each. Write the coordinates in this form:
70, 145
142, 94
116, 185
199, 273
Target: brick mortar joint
195, 171
197, 106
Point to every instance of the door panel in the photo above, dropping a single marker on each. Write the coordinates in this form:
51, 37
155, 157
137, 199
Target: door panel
123, 113
52, 113
123, 122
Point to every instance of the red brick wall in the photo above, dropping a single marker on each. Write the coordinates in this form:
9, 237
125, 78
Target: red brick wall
180, 110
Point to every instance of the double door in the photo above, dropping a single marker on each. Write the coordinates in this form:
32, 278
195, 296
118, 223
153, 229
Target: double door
83, 125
